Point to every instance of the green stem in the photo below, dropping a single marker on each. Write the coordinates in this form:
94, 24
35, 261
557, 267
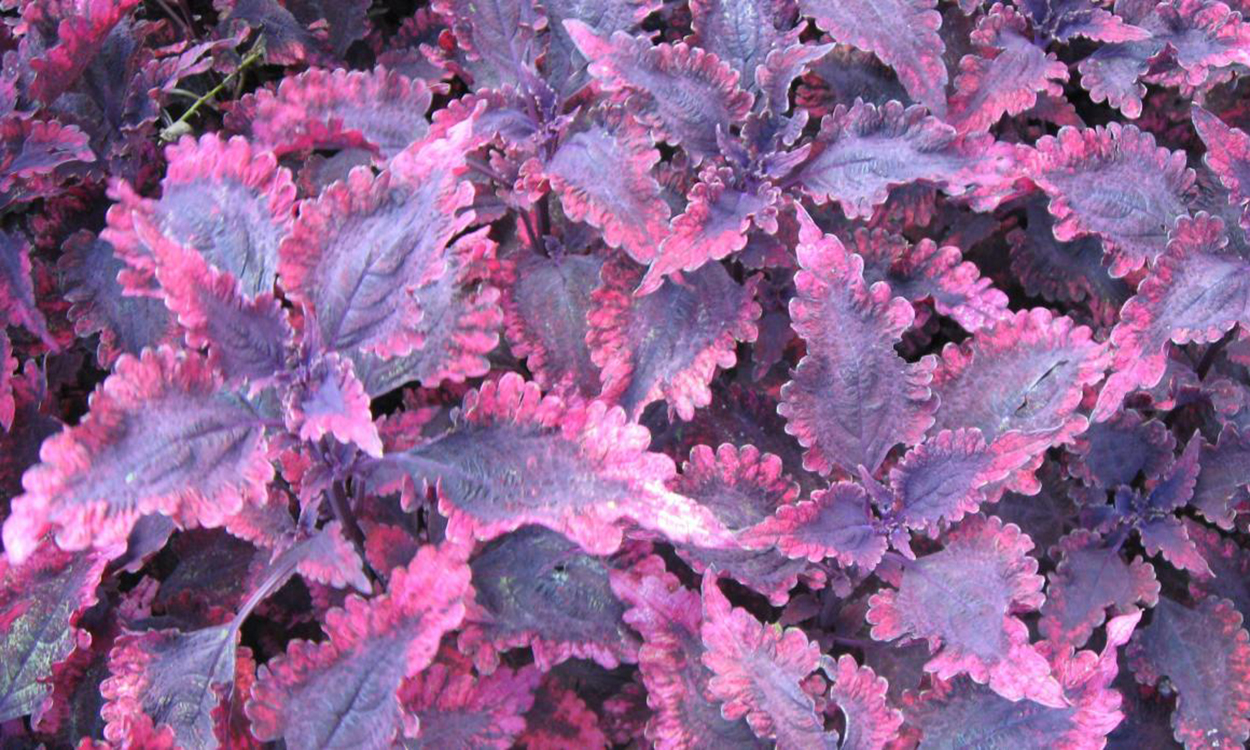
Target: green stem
180, 126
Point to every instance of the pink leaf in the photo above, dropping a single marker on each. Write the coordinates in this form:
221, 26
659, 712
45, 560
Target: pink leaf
359, 251
1089, 578
457, 709
1213, 691
159, 437
902, 33
852, 398
871, 723
1228, 155
1114, 182
1198, 290
326, 109
332, 401
686, 95
965, 599
668, 344
758, 673
343, 691
837, 522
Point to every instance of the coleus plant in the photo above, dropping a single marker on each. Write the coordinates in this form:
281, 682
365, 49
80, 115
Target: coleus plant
549, 374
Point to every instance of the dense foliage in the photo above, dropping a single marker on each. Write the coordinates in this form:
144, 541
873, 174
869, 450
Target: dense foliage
588, 373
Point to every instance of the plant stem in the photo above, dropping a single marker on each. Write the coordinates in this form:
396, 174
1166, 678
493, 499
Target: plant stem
343, 512
180, 126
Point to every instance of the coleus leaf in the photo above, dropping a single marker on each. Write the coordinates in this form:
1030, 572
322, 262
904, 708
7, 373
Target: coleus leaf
247, 338
941, 479
686, 95
31, 151
901, 33
126, 324
8, 366
167, 678
741, 32
1228, 155
160, 437
713, 226
626, 203
564, 62
852, 398
80, 33
224, 198
1214, 691
459, 328
515, 457
1188, 39
1020, 381
537, 588
1116, 183
1161, 532
741, 486
1005, 73
1114, 452
1196, 291
836, 522
668, 344
331, 400
1064, 20
546, 303
964, 599
457, 709
1090, 577
864, 150
669, 618
499, 32
343, 692
288, 40
1225, 468
871, 723
1228, 563
759, 673
926, 271
963, 712
560, 719
41, 603
760, 567
333, 109
17, 290
359, 250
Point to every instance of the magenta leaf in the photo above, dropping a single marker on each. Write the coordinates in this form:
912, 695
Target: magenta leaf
625, 203
1214, 691
459, 710
759, 672
560, 719
499, 33
343, 691
460, 322
686, 95
127, 325
8, 368
1089, 578
536, 588
1116, 183
669, 618
941, 480
1225, 469
359, 250
171, 679
852, 398
42, 601
901, 33
742, 487
330, 400
80, 33
1228, 155
668, 344
33, 153
17, 291
1198, 290
517, 458
247, 338
871, 723
926, 271
713, 226
288, 40
1020, 382
837, 522
224, 198
766, 570
546, 303
331, 109
1004, 74
863, 151
159, 437
964, 599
